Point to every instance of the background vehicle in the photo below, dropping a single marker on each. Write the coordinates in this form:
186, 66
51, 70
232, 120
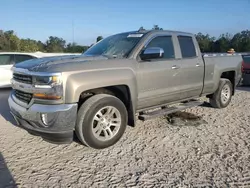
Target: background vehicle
246, 70
8, 59
97, 94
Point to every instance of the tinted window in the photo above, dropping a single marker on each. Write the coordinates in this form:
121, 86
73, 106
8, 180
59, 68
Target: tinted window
246, 58
164, 42
187, 46
20, 58
5, 60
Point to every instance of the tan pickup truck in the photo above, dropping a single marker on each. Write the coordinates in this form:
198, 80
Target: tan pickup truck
97, 94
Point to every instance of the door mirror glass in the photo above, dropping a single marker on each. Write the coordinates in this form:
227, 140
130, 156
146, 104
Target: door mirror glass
152, 53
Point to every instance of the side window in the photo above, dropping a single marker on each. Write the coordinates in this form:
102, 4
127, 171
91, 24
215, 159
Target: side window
20, 58
166, 43
5, 60
187, 46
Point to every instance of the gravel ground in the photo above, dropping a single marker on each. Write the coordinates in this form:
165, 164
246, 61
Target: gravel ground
203, 147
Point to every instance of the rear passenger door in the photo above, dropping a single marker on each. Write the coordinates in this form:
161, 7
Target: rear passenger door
192, 68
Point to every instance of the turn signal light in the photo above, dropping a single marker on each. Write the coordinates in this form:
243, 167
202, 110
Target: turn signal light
45, 96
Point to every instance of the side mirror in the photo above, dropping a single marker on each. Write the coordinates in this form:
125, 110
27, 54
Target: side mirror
152, 53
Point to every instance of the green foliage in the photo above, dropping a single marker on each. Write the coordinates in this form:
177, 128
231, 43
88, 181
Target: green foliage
9, 41
13, 42
99, 38
28, 45
55, 44
205, 42
74, 48
41, 46
240, 42
4, 43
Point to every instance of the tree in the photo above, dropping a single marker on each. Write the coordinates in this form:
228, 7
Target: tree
13, 42
41, 46
55, 44
241, 41
205, 42
223, 43
3, 42
28, 45
9, 41
74, 48
99, 38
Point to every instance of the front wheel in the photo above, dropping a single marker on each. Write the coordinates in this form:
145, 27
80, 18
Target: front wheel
101, 121
222, 96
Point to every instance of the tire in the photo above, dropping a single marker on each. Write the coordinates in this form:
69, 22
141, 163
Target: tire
220, 100
86, 125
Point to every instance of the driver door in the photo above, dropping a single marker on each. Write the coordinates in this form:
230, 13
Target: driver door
158, 79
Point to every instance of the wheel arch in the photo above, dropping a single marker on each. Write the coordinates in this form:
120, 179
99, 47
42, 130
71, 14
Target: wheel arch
122, 92
230, 75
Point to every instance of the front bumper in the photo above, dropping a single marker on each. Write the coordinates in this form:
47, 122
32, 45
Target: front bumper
54, 123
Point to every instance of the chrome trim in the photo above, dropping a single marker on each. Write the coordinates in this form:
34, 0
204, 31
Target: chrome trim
43, 86
28, 88
154, 50
21, 103
27, 72
34, 88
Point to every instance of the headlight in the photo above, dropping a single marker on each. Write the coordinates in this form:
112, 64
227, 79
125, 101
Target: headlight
46, 80
49, 87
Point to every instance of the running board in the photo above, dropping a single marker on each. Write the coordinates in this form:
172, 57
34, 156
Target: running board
169, 110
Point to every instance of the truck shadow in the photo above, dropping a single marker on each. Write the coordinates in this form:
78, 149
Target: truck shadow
183, 118
6, 179
4, 106
206, 105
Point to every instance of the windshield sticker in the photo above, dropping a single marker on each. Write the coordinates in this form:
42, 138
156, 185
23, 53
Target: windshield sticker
135, 35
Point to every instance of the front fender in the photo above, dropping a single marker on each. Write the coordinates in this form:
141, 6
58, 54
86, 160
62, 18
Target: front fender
77, 83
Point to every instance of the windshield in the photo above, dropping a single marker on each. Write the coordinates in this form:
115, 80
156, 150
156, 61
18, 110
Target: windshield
119, 45
246, 59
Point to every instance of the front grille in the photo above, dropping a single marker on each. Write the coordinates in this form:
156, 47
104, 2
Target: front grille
22, 96
22, 78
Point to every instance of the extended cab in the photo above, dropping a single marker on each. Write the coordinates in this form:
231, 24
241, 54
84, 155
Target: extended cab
96, 95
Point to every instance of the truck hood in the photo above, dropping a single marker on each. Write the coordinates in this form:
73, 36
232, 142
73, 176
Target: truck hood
48, 64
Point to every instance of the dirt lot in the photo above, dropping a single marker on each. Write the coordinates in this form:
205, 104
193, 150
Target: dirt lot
206, 148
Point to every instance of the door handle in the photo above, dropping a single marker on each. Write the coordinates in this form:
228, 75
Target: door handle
175, 67
197, 65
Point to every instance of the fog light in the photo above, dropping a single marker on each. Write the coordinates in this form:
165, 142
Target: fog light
47, 119
44, 119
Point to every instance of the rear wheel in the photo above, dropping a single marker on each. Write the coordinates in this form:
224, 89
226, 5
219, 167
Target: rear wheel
101, 121
222, 96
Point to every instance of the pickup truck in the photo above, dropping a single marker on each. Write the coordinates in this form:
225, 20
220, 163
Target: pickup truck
139, 74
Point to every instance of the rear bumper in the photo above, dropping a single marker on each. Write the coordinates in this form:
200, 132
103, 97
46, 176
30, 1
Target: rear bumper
54, 123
